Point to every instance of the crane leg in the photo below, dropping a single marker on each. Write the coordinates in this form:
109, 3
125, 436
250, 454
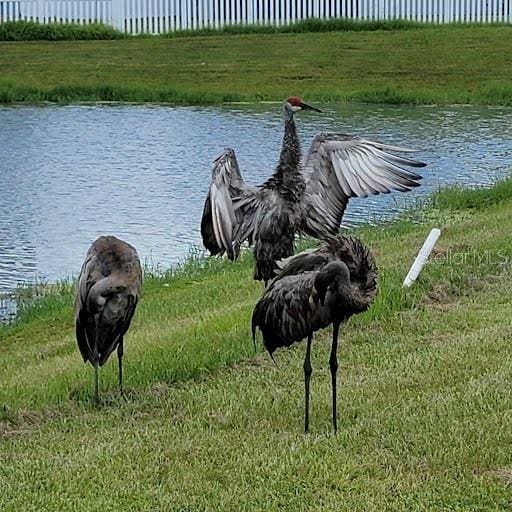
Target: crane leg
120, 352
96, 383
308, 370
96, 364
333, 365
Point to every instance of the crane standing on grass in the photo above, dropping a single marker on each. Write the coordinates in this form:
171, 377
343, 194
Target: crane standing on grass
311, 200
107, 293
312, 290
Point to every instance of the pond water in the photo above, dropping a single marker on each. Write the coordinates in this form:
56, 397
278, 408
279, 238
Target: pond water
70, 174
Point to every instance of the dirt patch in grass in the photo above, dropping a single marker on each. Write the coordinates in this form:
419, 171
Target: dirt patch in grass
442, 296
445, 293
23, 422
503, 474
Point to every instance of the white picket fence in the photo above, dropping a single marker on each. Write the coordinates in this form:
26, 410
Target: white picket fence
158, 16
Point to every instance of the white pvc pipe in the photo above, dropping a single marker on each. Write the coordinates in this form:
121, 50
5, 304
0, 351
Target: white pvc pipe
422, 257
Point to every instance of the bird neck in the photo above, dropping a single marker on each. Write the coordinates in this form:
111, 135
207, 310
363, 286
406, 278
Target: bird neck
352, 298
356, 301
289, 158
96, 296
363, 270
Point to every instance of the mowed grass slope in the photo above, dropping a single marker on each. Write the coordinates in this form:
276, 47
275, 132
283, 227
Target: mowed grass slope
423, 65
424, 391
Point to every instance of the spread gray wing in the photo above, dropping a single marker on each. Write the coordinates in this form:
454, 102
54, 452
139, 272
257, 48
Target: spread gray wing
341, 166
229, 204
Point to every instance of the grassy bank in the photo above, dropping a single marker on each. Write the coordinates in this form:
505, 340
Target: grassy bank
425, 391
419, 65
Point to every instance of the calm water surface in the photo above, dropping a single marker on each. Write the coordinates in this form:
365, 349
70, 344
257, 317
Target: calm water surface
70, 174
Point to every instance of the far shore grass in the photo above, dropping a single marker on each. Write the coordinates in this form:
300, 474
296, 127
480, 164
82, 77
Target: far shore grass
425, 387
425, 65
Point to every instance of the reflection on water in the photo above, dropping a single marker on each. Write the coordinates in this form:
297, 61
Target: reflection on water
69, 174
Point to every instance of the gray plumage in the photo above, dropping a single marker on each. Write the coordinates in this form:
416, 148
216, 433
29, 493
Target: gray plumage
107, 292
309, 198
312, 290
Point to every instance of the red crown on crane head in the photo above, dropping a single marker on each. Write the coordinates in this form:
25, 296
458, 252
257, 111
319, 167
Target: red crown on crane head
294, 101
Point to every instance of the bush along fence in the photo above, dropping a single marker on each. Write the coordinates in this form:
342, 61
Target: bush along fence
159, 16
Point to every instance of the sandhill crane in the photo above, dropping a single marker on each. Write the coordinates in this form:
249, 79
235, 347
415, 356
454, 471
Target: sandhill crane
310, 200
107, 293
312, 290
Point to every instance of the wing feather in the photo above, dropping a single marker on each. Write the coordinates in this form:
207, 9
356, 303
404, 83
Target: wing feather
374, 185
85, 282
387, 172
342, 166
225, 207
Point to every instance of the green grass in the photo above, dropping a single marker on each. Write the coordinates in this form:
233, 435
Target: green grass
416, 66
31, 31
460, 198
425, 386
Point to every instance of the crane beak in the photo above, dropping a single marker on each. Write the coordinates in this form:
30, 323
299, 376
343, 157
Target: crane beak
305, 106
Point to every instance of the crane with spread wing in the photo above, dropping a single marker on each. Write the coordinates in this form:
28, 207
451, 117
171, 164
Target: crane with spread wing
308, 197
